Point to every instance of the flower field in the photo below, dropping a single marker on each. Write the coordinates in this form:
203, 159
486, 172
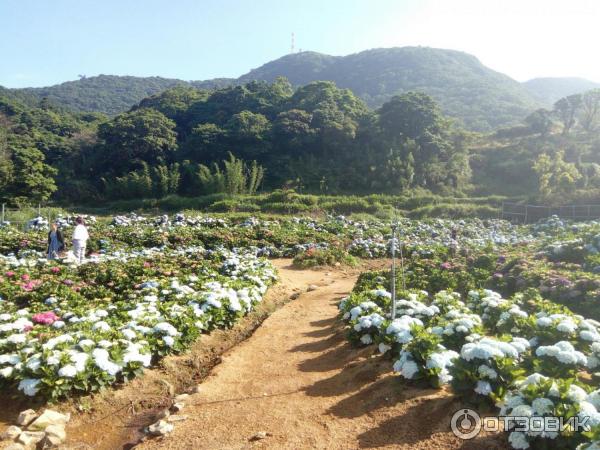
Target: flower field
497, 327
67, 329
504, 315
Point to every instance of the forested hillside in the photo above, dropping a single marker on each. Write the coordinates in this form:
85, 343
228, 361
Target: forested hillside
478, 97
108, 94
317, 138
549, 90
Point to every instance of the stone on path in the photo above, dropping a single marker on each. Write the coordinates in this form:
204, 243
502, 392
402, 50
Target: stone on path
49, 417
160, 428
26, 417
11, 433
56, 431
31, 438
177, 406
259, 436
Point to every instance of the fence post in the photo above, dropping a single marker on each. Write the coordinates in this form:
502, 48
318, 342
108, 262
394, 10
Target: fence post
588, 213
525, 220
3, 205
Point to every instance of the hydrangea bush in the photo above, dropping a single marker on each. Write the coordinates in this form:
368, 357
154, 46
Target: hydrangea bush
78, 329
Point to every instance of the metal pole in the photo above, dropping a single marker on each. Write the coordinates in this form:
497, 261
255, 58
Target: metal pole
402, 265
393, 271
525, 221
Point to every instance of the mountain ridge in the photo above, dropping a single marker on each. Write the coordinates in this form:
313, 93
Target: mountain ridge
478, 97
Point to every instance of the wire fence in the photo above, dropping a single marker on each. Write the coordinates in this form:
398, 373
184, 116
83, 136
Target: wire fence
520, 213
21, 217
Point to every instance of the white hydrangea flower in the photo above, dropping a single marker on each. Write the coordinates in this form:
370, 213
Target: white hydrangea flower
487, 372
542, 406
483, 388
29, 386
68, 371
518, 440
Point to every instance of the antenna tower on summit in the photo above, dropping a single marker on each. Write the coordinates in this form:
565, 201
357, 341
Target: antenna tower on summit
293, 48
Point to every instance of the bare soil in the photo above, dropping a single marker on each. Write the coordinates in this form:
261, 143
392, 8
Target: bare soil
285, 370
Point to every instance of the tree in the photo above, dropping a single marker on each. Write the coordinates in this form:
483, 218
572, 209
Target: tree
144, 135
540, 121
249, 132
410, 115
566, 109
248, 126
591, 108
556, 177
414, 130
32, 178
236, 177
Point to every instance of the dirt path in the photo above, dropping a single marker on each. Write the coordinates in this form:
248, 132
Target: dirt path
299, 381
292, 376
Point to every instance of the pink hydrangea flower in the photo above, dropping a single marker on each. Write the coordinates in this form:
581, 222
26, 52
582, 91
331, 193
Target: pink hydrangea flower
46, 318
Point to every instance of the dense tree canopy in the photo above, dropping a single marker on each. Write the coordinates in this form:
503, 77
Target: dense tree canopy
317, 138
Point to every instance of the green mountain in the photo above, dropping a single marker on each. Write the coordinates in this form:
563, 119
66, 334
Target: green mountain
477, 96
110, 94
549, 90
465, 89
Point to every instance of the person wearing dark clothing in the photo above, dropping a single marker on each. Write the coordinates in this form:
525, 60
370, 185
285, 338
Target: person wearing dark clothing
56, 242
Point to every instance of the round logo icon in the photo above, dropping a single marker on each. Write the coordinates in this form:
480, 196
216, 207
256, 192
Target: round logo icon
465, 424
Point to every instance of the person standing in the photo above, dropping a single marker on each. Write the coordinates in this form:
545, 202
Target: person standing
80, 237
56, 242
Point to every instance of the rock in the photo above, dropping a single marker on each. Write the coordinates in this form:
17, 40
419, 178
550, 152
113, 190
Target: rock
160, 428
14, 446
11, 433
49, 417
51, 441
312, 287
181, 398
177, 406
57, 431
197, 389
259, 436
177, 418
26, 417
31, 438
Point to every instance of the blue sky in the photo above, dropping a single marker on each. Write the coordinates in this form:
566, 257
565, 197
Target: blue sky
49, 41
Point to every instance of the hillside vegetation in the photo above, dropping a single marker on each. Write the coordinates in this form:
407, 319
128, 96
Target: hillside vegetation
317, 139
549, 90
478, 97
109, 94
